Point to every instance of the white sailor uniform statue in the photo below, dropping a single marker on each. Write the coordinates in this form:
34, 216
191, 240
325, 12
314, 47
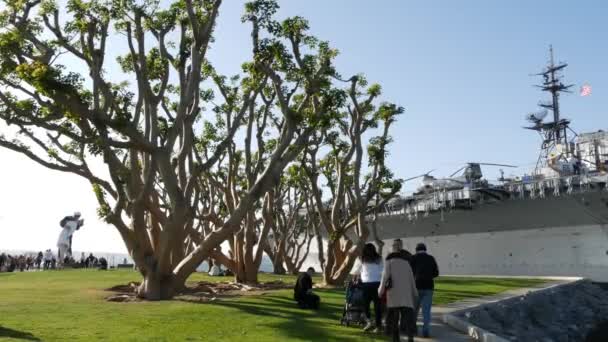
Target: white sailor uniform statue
70, 224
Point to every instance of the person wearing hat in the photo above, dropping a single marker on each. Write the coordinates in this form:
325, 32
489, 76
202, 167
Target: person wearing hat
425, 271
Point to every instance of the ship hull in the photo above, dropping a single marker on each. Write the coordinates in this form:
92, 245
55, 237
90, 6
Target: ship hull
554, 236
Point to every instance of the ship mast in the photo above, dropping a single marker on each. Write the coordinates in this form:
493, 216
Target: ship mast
555, 138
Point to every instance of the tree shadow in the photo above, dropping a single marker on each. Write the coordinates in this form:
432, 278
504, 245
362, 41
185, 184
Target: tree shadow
20, 335
294, 322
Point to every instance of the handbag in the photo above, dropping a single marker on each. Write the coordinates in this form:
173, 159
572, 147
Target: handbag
389, 283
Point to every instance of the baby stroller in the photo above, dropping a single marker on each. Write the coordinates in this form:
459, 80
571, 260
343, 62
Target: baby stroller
354, 308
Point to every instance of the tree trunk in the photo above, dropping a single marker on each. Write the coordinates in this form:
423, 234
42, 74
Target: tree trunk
277, 268
156, 286
340, 261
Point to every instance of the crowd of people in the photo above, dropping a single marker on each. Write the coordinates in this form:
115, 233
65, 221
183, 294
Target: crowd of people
400, 287
47, 260
22, 262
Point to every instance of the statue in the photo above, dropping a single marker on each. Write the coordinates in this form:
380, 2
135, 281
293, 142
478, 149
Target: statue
70, 224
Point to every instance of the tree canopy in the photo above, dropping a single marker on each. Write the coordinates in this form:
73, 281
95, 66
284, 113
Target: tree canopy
175, 180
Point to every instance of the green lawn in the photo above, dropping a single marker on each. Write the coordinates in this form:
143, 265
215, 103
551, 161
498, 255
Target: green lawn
70, 306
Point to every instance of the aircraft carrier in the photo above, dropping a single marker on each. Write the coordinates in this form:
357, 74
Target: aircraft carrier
550, 222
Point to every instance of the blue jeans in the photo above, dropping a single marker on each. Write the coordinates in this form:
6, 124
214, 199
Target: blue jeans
425, 300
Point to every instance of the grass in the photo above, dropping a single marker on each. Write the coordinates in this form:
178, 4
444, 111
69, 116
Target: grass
70, 306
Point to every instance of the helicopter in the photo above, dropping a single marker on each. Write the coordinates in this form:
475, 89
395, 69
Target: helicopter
471, 173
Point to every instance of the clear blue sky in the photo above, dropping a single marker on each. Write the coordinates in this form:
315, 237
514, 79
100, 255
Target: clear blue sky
460, 68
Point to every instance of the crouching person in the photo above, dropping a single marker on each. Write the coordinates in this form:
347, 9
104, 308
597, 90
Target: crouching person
401, 295
302, 292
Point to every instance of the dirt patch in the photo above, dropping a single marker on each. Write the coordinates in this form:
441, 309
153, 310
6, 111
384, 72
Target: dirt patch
228, 287
202, 291
123, 298
125, 288
123, 293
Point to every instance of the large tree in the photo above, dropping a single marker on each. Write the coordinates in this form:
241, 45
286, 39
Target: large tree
165, 138
299, 93
351, 195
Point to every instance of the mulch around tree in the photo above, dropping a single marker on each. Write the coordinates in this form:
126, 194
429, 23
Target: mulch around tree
200, 292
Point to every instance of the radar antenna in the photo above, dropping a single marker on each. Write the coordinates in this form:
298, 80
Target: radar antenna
554, 134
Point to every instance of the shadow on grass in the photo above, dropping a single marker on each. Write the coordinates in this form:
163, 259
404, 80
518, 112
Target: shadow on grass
20, 335
297, 323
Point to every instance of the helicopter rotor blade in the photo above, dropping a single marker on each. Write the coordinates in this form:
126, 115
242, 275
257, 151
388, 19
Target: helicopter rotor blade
422, 175
493, 164
462, 168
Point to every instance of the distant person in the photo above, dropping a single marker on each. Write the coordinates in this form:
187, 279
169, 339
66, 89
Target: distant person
91, 261
12, 263
425, 271
369, 273
22, 262
215, 270
83, 260
401, 295
48, 258
302, 292
39, 259
3, 261
29, 263
103, 264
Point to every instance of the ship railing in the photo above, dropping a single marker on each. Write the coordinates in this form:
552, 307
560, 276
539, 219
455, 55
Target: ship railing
533, 188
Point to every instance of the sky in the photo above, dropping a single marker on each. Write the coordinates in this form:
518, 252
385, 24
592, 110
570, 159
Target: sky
461, 69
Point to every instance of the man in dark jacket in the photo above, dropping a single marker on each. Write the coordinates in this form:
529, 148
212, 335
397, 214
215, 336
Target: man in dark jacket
302, 292
425, 271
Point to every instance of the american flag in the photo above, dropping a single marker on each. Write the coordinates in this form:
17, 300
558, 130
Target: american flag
585, 90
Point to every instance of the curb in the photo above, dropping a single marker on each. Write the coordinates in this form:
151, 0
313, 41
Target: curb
478, 334
471, 330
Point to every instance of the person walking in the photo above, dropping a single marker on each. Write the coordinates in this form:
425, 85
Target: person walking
369, 272
401, 294
425, 271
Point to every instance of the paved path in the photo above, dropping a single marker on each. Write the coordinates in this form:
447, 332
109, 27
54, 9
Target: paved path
442, 332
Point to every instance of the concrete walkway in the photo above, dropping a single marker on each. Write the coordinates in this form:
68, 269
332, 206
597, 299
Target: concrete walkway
442, 332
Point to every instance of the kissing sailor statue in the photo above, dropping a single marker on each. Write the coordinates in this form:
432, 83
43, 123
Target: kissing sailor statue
70, 224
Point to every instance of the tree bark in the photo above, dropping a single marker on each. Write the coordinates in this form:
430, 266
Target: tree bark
156, 286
